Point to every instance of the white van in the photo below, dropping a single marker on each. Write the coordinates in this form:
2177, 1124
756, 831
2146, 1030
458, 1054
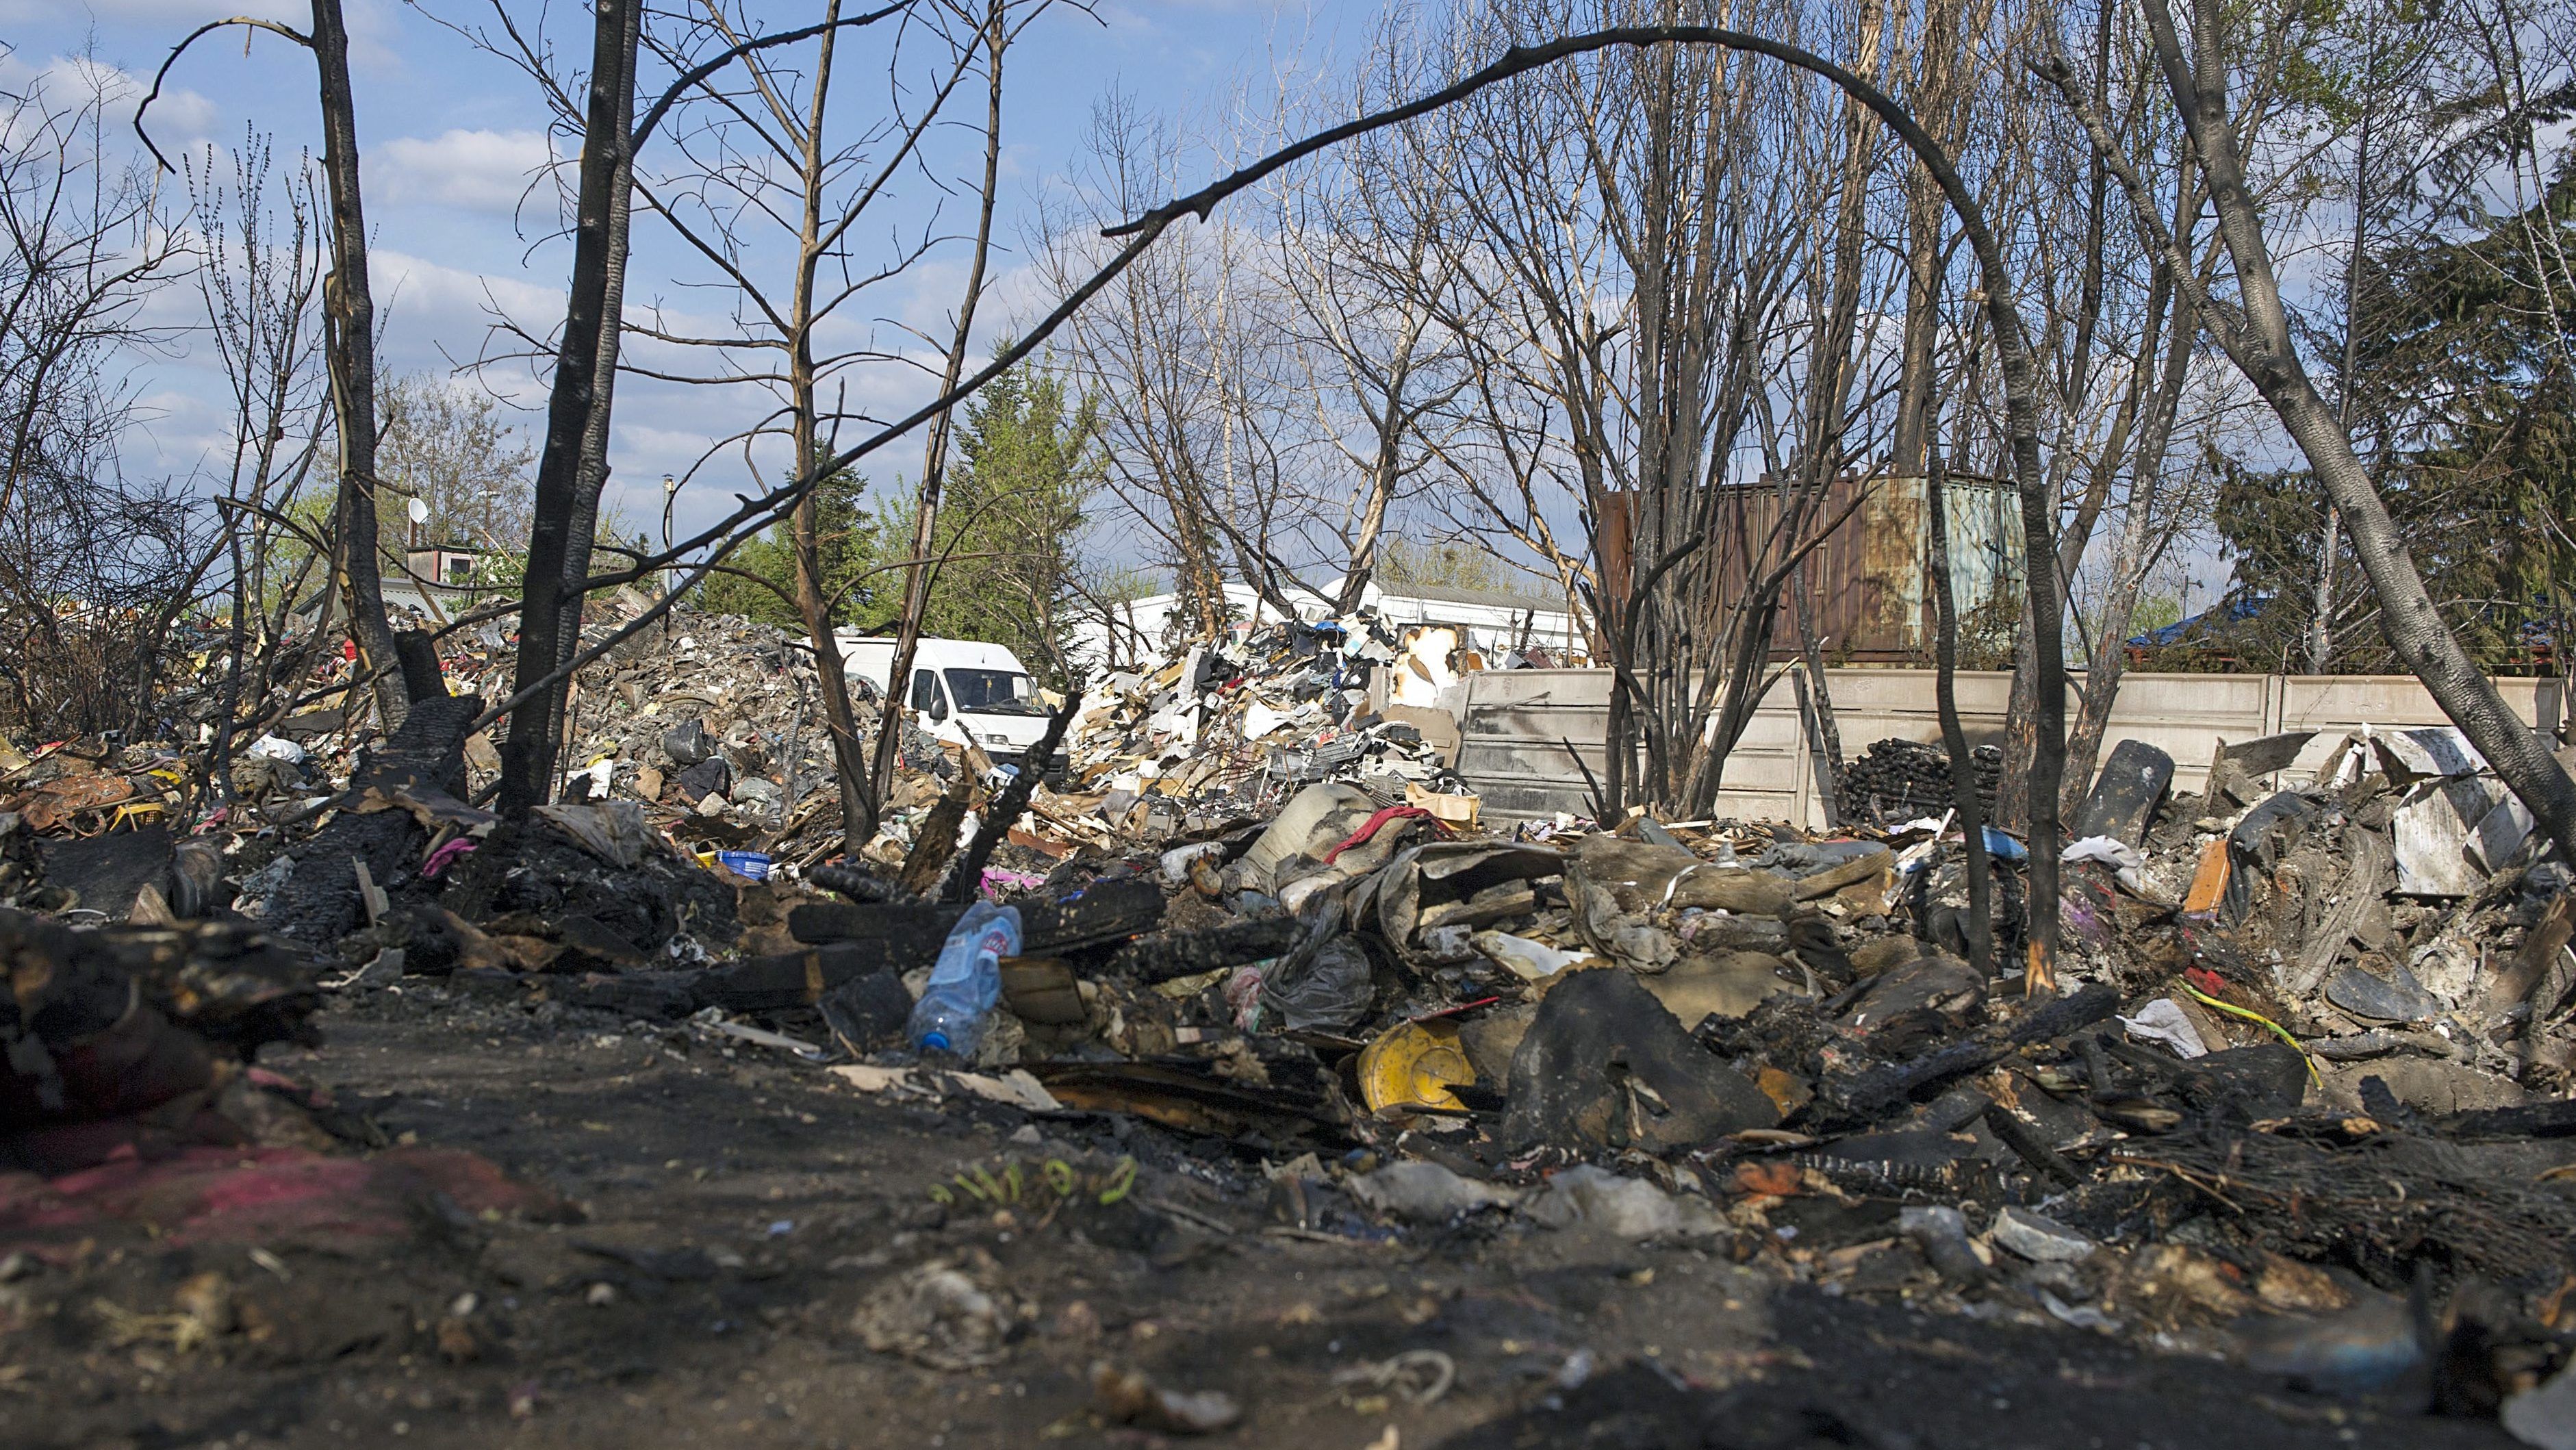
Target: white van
959, 687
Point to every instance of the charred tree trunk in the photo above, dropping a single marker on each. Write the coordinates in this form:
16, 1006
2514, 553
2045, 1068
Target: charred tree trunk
1954, 739
349, 318
591, 476
567, 503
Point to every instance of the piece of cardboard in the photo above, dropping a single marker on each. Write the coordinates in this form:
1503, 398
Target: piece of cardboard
1439, 728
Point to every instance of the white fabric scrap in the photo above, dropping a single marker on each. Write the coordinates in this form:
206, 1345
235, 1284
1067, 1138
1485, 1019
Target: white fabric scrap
2162, 1020
278, 748
2125, 861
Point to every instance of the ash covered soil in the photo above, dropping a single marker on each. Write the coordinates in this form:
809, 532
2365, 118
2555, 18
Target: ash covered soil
734, 1226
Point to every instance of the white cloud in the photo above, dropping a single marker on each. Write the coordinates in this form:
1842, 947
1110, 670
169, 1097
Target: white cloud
444, 293
178, 116
376, 40
485, 171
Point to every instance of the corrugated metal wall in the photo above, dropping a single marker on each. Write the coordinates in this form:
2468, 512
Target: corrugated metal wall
1516, 726
1865, 582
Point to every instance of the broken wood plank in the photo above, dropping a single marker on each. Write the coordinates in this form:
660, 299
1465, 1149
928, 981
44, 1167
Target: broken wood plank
2209, 882
2355, 897
1186, 954
1041, 990
2543, 947
799, 979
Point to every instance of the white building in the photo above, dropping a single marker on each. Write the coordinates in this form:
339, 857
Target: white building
436, 583
1492, 621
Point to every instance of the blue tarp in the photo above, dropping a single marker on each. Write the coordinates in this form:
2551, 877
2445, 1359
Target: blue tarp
2201, 623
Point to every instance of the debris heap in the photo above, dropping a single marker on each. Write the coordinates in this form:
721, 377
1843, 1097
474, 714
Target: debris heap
1210, 735
2304, 1084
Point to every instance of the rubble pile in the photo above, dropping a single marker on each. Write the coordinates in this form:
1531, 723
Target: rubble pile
2299, 1096
2308, 1052
136, 1038
713, 722
1213, 734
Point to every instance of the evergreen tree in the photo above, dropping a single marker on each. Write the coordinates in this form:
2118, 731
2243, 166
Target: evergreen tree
1028, 465
2463, 398
853, 542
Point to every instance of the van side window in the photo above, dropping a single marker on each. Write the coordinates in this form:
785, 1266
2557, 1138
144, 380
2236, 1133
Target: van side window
926, 697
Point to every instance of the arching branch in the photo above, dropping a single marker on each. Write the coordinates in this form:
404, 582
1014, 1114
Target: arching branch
255, 23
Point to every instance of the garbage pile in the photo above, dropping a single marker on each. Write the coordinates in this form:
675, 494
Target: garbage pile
2298, 1095
1210, 734
135, 1038
715, 723
154, 951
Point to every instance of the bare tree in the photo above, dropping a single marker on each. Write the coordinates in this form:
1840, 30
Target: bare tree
2122, 354
1187, 358
1816, 443
771, 144
2010, 342
1637, 226
349, 312
998, 24
1360, 256
452, 448
260, 281
93, 564
2254, 329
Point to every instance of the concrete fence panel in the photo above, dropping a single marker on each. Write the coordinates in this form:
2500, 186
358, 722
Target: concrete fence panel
1517, 725
2186, 716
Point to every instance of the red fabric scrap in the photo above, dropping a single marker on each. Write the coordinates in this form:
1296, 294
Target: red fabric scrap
1377, 822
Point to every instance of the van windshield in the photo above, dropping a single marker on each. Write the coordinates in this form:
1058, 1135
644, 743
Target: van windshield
994, 692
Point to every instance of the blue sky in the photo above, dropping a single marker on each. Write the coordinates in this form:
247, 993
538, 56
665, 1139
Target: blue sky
449, 135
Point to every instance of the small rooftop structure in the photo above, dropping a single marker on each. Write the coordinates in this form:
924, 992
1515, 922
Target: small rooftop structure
435, 581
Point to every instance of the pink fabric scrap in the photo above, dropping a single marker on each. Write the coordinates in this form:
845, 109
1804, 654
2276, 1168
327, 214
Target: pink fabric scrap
445, 856
261, 1195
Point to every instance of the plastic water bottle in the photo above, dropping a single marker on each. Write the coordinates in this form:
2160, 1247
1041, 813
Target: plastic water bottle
963, 987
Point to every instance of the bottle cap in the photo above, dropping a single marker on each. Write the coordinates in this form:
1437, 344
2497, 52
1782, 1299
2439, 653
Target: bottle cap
934, 1041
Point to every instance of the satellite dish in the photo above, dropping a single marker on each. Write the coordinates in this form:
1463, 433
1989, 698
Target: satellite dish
419, 512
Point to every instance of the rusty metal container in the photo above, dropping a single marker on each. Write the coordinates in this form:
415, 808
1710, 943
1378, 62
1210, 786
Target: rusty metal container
1867, 581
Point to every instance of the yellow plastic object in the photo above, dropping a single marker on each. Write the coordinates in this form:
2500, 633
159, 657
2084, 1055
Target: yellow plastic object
133, 811
2257, 1018
1413, 1065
